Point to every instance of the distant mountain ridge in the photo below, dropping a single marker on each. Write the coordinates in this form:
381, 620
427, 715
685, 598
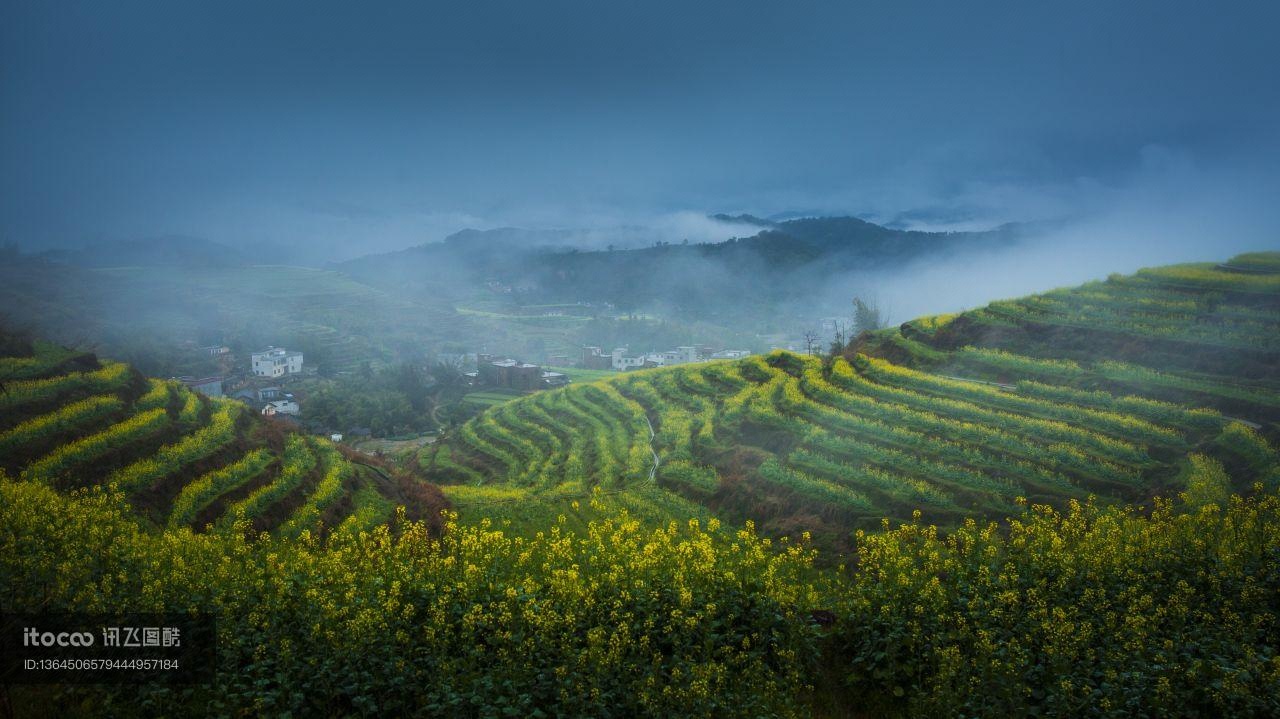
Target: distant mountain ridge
783, 260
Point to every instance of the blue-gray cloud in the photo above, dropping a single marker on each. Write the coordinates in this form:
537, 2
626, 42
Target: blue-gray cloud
346, 126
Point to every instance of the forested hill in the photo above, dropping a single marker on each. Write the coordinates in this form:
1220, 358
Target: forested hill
784, 260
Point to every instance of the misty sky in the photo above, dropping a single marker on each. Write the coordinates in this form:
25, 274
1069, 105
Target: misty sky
369, 126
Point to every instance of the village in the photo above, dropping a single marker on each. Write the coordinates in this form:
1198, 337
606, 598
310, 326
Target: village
494, 372
260, 387
276, 381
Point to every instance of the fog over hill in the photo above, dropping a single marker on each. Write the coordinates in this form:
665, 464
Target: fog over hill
776, 264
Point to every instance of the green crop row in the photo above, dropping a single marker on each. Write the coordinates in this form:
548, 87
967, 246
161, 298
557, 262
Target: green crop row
110, 378
1207, 276
700, 480
328, 490
74, 417
1165, 413
998, 361
910, 464
1133, 374
197, 494
191, 408
369, 509
60, 462
1034, 429
1246, 334
473, 442
171, 458
443, 458
824, 492
969, 442
298, 460
895, 486
46, 358
1103, 421
158, 394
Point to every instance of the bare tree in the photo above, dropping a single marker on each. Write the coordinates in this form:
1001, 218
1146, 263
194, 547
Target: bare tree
841, 337
810, 340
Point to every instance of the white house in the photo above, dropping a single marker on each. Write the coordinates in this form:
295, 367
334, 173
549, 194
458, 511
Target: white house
276, 362
680, 355
622, 363
685, 355
281, 406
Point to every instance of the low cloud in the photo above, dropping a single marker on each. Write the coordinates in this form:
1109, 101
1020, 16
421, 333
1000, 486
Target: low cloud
1171, 208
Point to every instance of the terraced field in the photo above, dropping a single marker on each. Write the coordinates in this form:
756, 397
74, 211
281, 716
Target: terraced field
179, 458
801, 444
1199, 334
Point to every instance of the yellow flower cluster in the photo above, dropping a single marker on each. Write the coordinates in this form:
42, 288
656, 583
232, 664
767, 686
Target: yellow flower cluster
683, 618
1092, 611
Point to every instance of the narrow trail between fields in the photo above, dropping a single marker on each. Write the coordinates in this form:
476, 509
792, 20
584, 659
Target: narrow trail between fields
653, 471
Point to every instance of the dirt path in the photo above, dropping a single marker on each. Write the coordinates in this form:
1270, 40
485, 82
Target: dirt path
653, 471
979, 381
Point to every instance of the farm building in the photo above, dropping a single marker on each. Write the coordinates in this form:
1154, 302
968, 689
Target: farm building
276, 362
207, 386
281, 406
511, 374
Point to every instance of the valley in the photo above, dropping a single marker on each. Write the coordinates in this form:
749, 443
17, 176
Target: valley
1074, 457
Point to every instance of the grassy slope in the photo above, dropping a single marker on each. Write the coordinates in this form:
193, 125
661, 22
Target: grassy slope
799, 445
182, 459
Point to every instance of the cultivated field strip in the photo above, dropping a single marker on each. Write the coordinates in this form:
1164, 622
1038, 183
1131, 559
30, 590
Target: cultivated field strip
183, 460
1180, 337
1141, 305
845, 442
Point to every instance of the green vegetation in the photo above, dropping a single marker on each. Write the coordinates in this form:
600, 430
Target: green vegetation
392, 401
1198, 335
491, 397
172, 458
1088, 612
68, 418
827, 447
20, 395
1093, 611
198, 493
577, 374
1058, 506
915, 420
180, 459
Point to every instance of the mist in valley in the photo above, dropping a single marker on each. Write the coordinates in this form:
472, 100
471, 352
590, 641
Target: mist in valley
734, 180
